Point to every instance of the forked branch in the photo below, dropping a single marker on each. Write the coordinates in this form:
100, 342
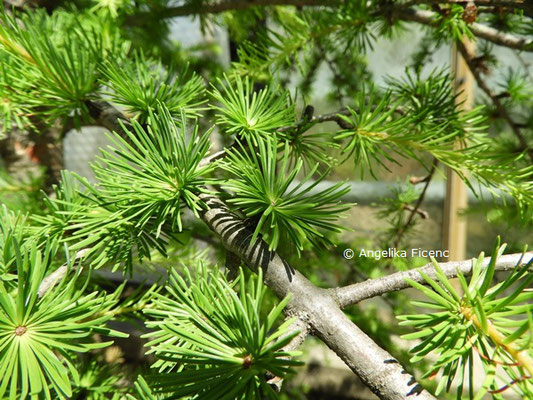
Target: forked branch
374, 366
353, 294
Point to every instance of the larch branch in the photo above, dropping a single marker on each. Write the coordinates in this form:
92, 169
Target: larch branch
374, 366
223, 6
482, 31
357, 292
410, 14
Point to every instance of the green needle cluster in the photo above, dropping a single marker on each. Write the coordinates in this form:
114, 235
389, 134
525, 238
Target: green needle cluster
208, 332
284, 208
39, 336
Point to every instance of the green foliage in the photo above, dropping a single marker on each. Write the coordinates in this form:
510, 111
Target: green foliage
78, 215
11, 230
21, 193
420, 117
84, 222
208, 333
394, 209
115, 218
143, 390
510, 21
165, 166
298, 32
251, 114
142, 84
429, 99
110, 7
373, 125
13, 111
311, 148
516, 86
98, 381
51, 75
213, 338
60, 75
347, 25
276, 49
416, 116
493, 324
38, 334
451, 25
286, 209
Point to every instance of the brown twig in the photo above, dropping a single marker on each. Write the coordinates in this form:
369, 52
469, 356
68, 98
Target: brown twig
219, 7
469, 59
330, 117
415, 210
517, 4
235, 5
505, 387
422, 213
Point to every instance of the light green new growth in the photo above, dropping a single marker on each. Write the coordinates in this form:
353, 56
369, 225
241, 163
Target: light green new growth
489, 322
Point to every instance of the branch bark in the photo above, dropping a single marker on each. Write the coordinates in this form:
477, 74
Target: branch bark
374, 366
485, 32
353, 294
220, 7
107, 116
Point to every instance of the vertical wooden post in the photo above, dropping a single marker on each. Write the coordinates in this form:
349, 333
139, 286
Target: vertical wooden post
454, 226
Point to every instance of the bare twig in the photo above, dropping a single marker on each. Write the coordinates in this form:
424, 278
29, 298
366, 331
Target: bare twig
357, 292
415, 210
235, 5
331, 117
516, 4
306, 124
422, 213
220, 7
495, 99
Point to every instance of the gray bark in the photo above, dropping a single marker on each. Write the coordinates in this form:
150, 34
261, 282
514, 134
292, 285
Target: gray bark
374, 366
357, 292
